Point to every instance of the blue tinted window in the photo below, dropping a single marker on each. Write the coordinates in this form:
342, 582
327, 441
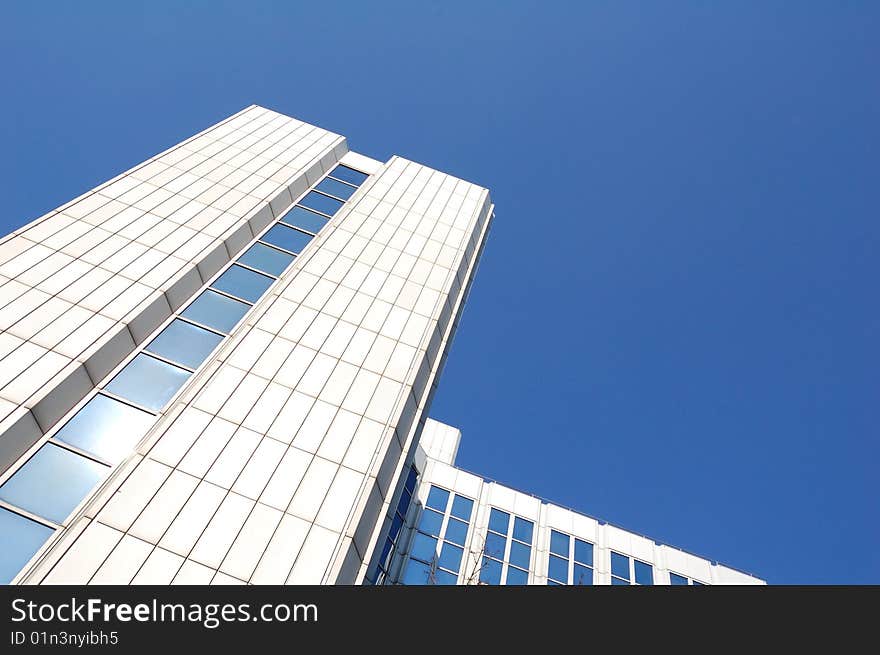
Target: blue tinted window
438, 498
148, 381
519, 554
697, 583
583, 552
462, 507
618, 581
456, 531
558, 569
266, 258
287, 238
522, 529
305, 219
52, 482
450, 557
416, 573
320, 202
424, 547
644, 573
242, 283
349, 175
185, 343
403, 502
495, 545
216, 311
498, 521
385, 557
490, 571
583, 575
445, 578
516, 576
21, 539
553, 583
394, 530
676, 579
620, 565
335, 188
106, 428
411, 480
559, 543
431, 522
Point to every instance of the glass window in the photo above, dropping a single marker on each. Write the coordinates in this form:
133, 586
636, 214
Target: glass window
424, 547
522, 529
498, 521
106, 428
583, 552
495, 545
583, 575
320, 202
456, 531
287, 238
242, 283
394, 530
21, 539
450, 557
697, 583
147, 381
620, 565
185, 343
385, 557
305, 219
403, 502
52, 482
559, 543
431, 522
349, 175
517, 576
618, 581
216, 311
462, 507
676, 579
558, 569
520, 554
553, 583
267, 259
644, 573
410, 484
490, 571
336, 188
445, 578
416, 573
438, 498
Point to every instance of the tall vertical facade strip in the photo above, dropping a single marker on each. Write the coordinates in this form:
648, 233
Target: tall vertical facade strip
218, 368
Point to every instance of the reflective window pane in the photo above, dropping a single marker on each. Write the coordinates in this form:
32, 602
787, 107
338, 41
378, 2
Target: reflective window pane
450, 557
494, 546
410, 484
498, 521
149, 382
52, 482
676, 579
490, 571
106, 428
336, 188
445, 578
431, 522
21, 539
320, 202
438, 498
424, 547
216, 311
522, 529
553, 583
267, 259
416, 573
403, 502
184, 343
559, 543
520, 554
243, 283
697, 583
644, 573
558, 569
462, 508
287, 238
618, 581
620, 565
516, 576
583, 552
456, 531
583, 575
305, 219
394, 530
349, 175
385, 557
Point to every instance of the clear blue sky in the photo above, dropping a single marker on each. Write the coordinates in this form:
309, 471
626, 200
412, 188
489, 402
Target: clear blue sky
675, 323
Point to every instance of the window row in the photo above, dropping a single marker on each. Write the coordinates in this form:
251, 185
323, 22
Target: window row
380, 572
570, 560
507, 551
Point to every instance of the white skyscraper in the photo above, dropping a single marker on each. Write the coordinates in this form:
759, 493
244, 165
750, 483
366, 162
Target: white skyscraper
217, 366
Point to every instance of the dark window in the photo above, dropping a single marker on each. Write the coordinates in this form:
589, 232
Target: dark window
450, 557
620, 566
558, 569
438, 499
462, 507
520, 554
583, 575
559, 543
583, 552
517, 576
336, 188
499, 521
522, 529
349, 175
430, 522
456, 531
644, 573
676, 579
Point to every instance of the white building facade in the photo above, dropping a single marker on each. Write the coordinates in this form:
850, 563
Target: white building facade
217, 367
